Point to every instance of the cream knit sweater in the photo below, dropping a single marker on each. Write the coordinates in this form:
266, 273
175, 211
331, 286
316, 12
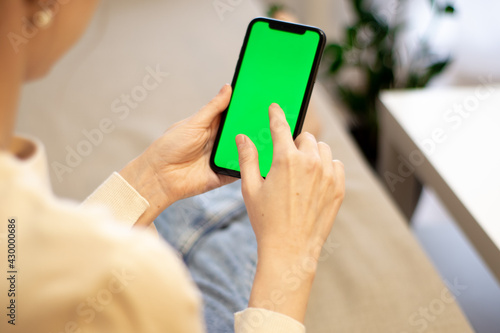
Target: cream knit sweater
81, 268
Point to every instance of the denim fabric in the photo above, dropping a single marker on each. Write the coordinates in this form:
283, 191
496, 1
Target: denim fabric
213, 235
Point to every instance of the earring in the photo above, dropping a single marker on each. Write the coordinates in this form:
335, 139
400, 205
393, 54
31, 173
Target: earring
43, 18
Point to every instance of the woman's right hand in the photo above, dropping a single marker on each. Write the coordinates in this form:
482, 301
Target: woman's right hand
291, 211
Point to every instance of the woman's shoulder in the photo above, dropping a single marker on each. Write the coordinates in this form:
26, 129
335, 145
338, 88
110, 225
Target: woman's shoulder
81, 266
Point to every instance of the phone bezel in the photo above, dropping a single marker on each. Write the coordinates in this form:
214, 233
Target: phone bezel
283, 26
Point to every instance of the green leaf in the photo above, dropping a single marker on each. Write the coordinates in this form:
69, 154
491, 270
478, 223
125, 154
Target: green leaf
351, 37
335, 53
273, 9
358, 103
439, 66
367, 18
435, 69
381, 30
416, 80
413, 81
358, 7
449, 9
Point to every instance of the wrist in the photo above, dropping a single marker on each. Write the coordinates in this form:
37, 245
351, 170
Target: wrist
143, 178
283, 284
291, 252
302, 265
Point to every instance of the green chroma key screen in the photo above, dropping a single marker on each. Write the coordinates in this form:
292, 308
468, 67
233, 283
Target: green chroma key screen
275, 68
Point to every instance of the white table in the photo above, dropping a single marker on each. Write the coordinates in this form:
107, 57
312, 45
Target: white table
450, 140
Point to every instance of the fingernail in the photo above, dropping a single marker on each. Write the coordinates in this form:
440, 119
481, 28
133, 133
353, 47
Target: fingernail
223, 89
240, 139
276, 108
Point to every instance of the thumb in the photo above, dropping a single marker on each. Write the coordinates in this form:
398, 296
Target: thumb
249, 162
215, 107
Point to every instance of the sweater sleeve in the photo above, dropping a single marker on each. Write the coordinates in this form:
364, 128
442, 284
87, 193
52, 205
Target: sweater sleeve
256, 320
124, 202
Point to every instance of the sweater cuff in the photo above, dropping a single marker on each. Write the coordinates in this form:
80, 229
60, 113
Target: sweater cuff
116, 194
256, 320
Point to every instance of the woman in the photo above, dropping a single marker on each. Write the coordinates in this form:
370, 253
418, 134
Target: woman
80, 269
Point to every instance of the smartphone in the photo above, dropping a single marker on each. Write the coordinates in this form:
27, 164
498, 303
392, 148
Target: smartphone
278, 63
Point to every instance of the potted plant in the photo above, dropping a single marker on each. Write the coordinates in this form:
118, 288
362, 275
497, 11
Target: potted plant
369, 52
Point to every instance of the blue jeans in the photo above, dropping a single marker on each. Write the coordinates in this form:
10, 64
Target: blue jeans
213, 234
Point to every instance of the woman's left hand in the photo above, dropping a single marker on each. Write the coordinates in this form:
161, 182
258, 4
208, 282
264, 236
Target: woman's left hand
176, 165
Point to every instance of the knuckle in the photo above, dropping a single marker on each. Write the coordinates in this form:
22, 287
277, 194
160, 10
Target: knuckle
309, 136
335, 188
306, 136
300, 137
323, 145
339, 193
339, 180
329, 179
312, 163
339, 166
280, 124
286, 156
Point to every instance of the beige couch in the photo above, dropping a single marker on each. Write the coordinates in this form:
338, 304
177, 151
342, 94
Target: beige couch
373, 276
